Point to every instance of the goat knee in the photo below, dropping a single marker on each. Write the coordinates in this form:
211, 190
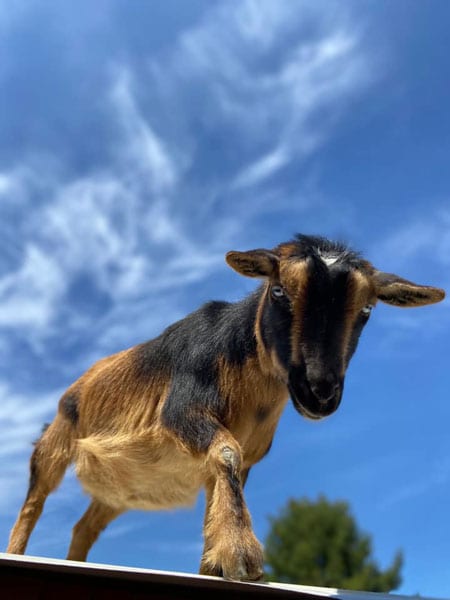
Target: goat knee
231, 458
225, 455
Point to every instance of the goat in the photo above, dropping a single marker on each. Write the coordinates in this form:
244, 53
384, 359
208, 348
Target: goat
196, 407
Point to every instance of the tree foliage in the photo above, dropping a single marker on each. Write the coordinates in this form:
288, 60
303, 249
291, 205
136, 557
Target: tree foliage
319, 543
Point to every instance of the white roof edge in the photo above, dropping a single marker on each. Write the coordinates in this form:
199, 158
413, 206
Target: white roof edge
99, 568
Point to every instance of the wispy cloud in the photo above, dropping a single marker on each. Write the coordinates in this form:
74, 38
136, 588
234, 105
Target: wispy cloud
426, 236
121, 224
28, 295
93, 259
261, 169
287, 105
144, 150
418, 251
21, 419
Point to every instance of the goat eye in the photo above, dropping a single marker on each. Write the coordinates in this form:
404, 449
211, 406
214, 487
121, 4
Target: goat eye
367, 310
277, 291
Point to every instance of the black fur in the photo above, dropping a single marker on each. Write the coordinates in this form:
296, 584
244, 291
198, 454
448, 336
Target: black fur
183, 410
235, 483
69, 406
356, 333
276, 322
151, 359
262, 412
33, 474
405, 299
304, 246
323, 317
316, 384
188, 353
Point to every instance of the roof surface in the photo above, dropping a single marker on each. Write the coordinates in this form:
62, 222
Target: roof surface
34, 578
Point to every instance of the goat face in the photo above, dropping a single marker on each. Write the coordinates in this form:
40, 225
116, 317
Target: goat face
317, 298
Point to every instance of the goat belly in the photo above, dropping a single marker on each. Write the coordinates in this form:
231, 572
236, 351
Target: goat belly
142, 479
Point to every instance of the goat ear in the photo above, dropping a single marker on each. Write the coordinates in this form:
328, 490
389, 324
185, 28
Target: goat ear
254, 263
400, 292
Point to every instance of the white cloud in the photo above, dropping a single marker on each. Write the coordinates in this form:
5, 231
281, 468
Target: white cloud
144, 149
19, 410
260, 22
287, 104
118, 225
419, 251
21, 419
126, 224
261, 169
8, 186
140, 226
28, 296
428, 235
90, 225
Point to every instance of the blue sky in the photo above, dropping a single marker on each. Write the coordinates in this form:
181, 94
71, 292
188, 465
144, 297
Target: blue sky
139, 143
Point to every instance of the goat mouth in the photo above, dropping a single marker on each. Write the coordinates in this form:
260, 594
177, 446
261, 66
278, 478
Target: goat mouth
310, 407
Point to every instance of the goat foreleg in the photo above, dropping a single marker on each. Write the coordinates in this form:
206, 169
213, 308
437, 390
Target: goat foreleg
231, 548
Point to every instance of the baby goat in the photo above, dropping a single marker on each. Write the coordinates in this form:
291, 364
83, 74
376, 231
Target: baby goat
196, 407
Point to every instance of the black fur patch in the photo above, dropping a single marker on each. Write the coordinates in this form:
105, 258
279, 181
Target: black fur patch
262, 412
276, 323
69, 406
305, 246
188, 353
236, 489
217, 328
151, 358
355, 335
33, 474
232, 327
407, 298
324, 317
190, 407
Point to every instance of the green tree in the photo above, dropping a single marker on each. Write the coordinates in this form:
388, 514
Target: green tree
319, 543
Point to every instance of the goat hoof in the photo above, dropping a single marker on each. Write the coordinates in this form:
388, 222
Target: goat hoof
243, 571
245, 567
246, 564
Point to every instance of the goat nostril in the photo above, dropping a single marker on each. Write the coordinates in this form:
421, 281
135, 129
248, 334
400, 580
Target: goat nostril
324, 391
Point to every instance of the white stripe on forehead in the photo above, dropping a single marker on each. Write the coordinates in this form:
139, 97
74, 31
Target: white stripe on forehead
328, 258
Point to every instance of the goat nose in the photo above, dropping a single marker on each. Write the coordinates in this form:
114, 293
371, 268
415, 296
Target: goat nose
324, 390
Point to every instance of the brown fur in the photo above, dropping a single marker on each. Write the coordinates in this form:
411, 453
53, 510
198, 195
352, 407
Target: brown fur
361, 293
229, 538
55, 448
248, 394
294, 277
112, 422
265, 363
125, 459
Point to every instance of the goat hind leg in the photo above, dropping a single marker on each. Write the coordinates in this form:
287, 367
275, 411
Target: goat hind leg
48, 464
89, 527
